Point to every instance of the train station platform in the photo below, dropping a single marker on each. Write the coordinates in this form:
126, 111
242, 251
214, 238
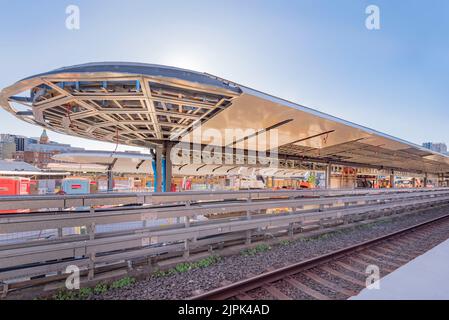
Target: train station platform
424, 278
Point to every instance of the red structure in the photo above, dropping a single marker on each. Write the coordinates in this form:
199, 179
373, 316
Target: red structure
14, 186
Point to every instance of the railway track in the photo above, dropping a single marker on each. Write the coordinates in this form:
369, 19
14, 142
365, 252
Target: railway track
339, 274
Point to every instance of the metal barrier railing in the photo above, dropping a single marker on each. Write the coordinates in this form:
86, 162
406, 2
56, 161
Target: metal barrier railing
92, 202
110, 199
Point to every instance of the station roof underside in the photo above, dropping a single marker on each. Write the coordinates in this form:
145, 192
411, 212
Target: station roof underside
101, 161
144, 105
124, 162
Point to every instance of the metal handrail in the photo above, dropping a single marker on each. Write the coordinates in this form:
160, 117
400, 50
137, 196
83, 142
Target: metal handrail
61, 219
70, 201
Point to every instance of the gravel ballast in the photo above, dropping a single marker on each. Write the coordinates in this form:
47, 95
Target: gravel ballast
238, 267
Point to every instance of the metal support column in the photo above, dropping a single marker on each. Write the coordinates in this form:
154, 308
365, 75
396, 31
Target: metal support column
110, 179
111, 175
158, 176
425, 180
392, 184
153, 166
168, 167
328, 176
441, 183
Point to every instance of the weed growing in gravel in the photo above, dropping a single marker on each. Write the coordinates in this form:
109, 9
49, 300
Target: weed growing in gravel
183, 267
186, 266
206, 262
83, 293
285, 242
257, 249
123, 282
159, 273
65, 295
101, 288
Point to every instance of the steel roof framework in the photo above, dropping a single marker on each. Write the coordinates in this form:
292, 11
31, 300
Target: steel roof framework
127, 110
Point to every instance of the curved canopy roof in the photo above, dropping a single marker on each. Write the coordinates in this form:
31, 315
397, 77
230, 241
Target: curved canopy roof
132, 68
142, 105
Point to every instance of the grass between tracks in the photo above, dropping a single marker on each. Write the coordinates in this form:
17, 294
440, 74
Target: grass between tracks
101, 288
187, 266
257, 249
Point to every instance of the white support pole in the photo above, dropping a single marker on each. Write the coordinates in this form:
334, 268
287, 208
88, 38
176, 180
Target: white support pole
328, 176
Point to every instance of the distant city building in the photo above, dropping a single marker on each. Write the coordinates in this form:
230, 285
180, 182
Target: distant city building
437, 147
7, 150
5, 137
19, 155
35, 151
20, 143
44, 137
7, 146
38, 158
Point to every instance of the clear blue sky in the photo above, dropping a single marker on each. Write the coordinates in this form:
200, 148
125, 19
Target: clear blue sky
317, 53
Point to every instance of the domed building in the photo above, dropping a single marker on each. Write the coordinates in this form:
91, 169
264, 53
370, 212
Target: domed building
44, 137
